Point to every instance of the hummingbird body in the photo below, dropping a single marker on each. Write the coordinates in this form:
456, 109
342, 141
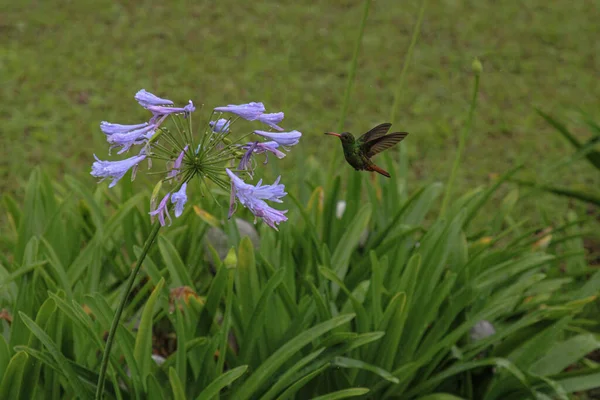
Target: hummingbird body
358, 152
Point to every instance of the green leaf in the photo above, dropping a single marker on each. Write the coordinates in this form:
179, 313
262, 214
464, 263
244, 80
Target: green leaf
247, 286
283, 355
143, 342
44, 318
177, 270
54, 350
4, 355
300, 383
256, 321
289, 375
12, 379
343, 394
223, 338
565, 353
593, 157
340, 258
345, 362
221, 382
59, 270
155, 390
591, 380
587, 196
176, 385
440, 396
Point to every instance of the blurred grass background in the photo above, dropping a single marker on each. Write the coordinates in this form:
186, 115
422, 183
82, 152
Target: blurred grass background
66, 66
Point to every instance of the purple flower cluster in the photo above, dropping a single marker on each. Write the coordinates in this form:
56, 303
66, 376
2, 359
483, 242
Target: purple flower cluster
252, 197
183, 163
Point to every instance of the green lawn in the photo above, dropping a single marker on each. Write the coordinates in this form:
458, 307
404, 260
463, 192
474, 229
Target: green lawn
66, 66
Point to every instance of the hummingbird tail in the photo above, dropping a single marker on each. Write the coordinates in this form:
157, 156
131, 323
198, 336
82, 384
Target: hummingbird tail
375, 168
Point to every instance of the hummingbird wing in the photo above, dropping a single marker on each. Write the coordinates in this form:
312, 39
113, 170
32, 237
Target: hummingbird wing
380, 144
375, 133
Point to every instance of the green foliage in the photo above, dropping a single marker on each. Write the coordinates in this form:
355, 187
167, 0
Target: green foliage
316, 311
585, 150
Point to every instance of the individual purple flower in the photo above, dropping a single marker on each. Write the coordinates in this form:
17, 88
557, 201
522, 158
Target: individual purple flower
179, 198
220, 126
250, 111
162, 111
283, 138
272, 120
162, 210
109, 128
115, 169
258, 148
177, 164
253, 198
124, 136
147, 99
263, 147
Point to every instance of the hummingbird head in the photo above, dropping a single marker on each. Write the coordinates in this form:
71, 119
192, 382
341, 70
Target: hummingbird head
345, 137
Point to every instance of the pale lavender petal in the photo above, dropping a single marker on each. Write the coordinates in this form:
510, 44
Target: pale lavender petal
128, 139
270, 147
177, 163
283, 138
272, 120
147, 99
252, 197
220, 126
114, 169
162, 210
250, 111
162, 111
179, 198
109, 128
245, 161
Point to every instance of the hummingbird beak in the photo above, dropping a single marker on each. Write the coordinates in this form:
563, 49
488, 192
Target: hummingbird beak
333, 134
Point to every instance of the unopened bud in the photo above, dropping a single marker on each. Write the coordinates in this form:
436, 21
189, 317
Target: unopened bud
476, 66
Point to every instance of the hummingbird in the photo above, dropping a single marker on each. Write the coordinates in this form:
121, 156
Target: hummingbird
358, 152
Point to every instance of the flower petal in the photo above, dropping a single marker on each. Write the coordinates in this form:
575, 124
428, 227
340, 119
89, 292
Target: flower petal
250, 111
179, 198
253, 198
283, 138
147, 99
114, 169
272, 120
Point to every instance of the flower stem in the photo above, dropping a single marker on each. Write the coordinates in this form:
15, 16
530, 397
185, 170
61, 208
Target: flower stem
117, 317
349, 84
461, 145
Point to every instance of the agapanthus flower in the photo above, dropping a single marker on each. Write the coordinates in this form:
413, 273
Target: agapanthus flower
147, 99
115, 169
162, 210
220, 126
272, 120
250, 111
253, 198
177, 164
258, 148
283, 138
109, 128
127, 135
179, 198
160, 111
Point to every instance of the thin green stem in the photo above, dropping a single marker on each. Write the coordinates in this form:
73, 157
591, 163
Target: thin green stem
351, 76
461, 145
413, 41
117, 317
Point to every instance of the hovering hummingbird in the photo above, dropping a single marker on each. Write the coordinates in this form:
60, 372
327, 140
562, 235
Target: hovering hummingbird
358, 152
